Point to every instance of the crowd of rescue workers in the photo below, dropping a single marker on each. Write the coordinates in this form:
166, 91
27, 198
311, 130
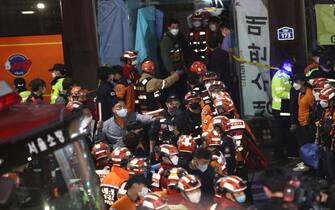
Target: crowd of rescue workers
174, 139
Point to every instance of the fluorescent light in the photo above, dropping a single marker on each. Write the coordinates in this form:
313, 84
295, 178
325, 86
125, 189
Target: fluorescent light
40, 5
27, 12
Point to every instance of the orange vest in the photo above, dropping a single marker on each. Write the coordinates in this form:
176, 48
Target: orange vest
305, 103
124, 203
111, 183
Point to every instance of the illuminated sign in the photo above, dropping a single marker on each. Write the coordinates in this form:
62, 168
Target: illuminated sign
285, 33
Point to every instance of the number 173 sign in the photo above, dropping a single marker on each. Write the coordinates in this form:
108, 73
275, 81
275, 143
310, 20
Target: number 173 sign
285, 33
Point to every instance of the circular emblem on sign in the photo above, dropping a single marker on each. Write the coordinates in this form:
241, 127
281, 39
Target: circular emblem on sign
18, 65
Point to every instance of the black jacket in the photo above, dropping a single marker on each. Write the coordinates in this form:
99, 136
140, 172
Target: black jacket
106, 95
218, 61
294, 94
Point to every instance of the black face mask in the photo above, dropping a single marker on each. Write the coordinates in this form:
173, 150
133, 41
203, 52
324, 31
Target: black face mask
195, 106
174, 111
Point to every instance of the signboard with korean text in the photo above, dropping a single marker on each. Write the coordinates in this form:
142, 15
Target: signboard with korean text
25, 148
285, 33
325, 19
254, 46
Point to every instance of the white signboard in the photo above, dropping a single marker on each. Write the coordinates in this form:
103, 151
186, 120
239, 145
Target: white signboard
285, 33
254, 46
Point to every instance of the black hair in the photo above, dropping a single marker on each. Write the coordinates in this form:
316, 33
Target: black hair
202, 153
173, 21
104, 72
67, 83
275, 179
225, 24
117, 69
116, 101
300, 77
193, 78
36, 84
131, 140
19, 82
137, 179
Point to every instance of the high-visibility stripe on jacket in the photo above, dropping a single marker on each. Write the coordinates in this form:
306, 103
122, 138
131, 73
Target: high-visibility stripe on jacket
24, 95
56, 89
281, 87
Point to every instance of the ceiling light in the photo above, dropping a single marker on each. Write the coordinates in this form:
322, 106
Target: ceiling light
40, 5
27, 12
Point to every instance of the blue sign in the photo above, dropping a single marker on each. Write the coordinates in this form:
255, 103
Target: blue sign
18, 65
285, 33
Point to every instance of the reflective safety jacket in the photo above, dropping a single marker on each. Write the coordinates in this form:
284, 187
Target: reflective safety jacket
56, 88
24, 95
125, 89
281, 87
147, 90
111, 184
198, 43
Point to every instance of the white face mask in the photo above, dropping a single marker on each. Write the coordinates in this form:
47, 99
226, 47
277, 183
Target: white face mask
316, 95
197, 24
174, 160
240, 199
174, 31
202, 168
207, 85
122, 112
134, 62
143, 192
194, 196
325, 69
324, 104
212, 27
296, 86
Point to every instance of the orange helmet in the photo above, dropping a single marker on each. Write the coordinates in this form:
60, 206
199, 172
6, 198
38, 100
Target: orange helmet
188, 183
320, 83
198, 67
173, 176
327, 93
186, 144
230, 184
154, 201
225, 102
148, 67
235, 129
121, 156
99, 151
137, 166
128, 55
214, 138
168, 150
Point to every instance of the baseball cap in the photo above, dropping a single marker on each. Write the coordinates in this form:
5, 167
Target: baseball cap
59, 67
